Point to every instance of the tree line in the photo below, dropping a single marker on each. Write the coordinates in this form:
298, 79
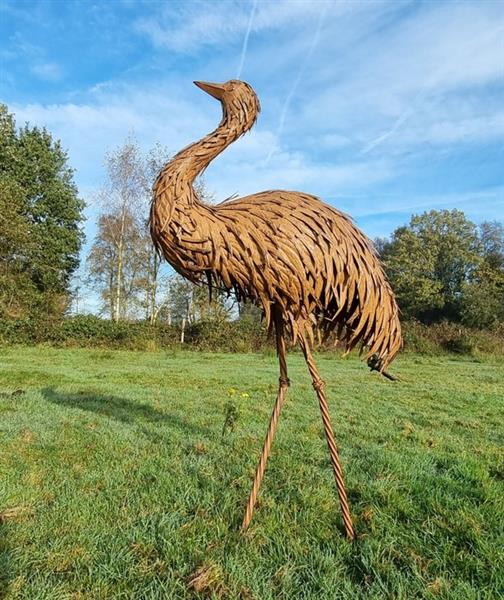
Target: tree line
440, 265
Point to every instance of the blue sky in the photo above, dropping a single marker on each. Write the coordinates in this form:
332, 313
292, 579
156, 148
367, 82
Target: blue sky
383, 109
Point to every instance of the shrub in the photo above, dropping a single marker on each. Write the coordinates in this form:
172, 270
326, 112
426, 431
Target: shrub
227, 336
417, 339
452, 337
242, 335
462, 344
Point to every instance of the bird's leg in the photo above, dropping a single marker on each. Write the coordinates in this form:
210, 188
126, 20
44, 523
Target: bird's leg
319, 386
282, 389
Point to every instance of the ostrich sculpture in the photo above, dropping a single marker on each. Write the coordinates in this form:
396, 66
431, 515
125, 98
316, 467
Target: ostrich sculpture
303, 262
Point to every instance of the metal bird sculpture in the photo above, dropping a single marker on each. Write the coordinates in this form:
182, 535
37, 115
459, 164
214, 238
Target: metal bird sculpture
303, 262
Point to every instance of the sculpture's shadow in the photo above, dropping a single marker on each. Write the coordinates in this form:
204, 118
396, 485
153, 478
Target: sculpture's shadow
142, 415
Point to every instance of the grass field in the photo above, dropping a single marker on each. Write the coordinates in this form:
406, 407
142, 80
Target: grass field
116, 480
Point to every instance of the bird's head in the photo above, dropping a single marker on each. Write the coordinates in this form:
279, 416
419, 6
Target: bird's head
238, 99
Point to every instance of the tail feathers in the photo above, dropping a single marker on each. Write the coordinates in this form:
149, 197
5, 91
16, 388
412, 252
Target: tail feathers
375, 363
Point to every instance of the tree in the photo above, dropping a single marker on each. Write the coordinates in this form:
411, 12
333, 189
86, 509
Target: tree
492, 242
482, 303
381, 245
115, 262
430, 261
156, 276
124, 194
17, 290
123, 265
190, 303
40, 233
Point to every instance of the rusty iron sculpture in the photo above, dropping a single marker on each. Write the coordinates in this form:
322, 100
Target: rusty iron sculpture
303, 262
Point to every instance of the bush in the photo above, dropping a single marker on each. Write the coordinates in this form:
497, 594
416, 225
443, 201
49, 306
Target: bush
227, 336
417, 339
87, 330
243, 335
463, 344
452, 337
91, 331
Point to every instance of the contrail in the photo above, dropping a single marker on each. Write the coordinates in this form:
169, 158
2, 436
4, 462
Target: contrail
420, 97
410, 111
300, 74
246, 39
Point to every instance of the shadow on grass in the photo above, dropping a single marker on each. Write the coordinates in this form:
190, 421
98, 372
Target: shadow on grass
123, 410
5, 555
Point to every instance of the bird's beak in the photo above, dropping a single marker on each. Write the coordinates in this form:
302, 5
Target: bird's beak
214, 89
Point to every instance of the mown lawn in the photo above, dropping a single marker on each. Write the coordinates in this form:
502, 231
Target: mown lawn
116, 480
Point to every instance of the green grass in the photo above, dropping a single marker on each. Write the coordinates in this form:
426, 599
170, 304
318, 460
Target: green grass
116, 481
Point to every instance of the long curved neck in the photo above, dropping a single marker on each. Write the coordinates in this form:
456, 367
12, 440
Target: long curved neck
193, 160
174, 195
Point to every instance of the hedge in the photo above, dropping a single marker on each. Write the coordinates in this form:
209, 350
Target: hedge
244, 335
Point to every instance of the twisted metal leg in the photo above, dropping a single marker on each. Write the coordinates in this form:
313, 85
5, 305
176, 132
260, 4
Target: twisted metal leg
282, 389
319, 385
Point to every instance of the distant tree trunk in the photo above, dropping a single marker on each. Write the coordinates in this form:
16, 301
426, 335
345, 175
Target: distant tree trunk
120, 255
182, 330
111, 293
153, 288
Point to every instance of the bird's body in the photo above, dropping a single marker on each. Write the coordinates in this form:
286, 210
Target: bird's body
291, 249
304, 262
277, 247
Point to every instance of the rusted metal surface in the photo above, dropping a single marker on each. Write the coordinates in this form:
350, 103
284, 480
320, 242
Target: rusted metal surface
283, 384
302, 261
319, 387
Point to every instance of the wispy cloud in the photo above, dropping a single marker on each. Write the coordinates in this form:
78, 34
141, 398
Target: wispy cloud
104, 120
437, 80
246, 39
188, 26
89, 129
300, 74
49, 71
33, 56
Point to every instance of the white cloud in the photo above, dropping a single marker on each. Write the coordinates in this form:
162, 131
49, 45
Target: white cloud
378, 77
89, 130
406, 74
245, 168
187, 26
456, 131
34, 56
49, 71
